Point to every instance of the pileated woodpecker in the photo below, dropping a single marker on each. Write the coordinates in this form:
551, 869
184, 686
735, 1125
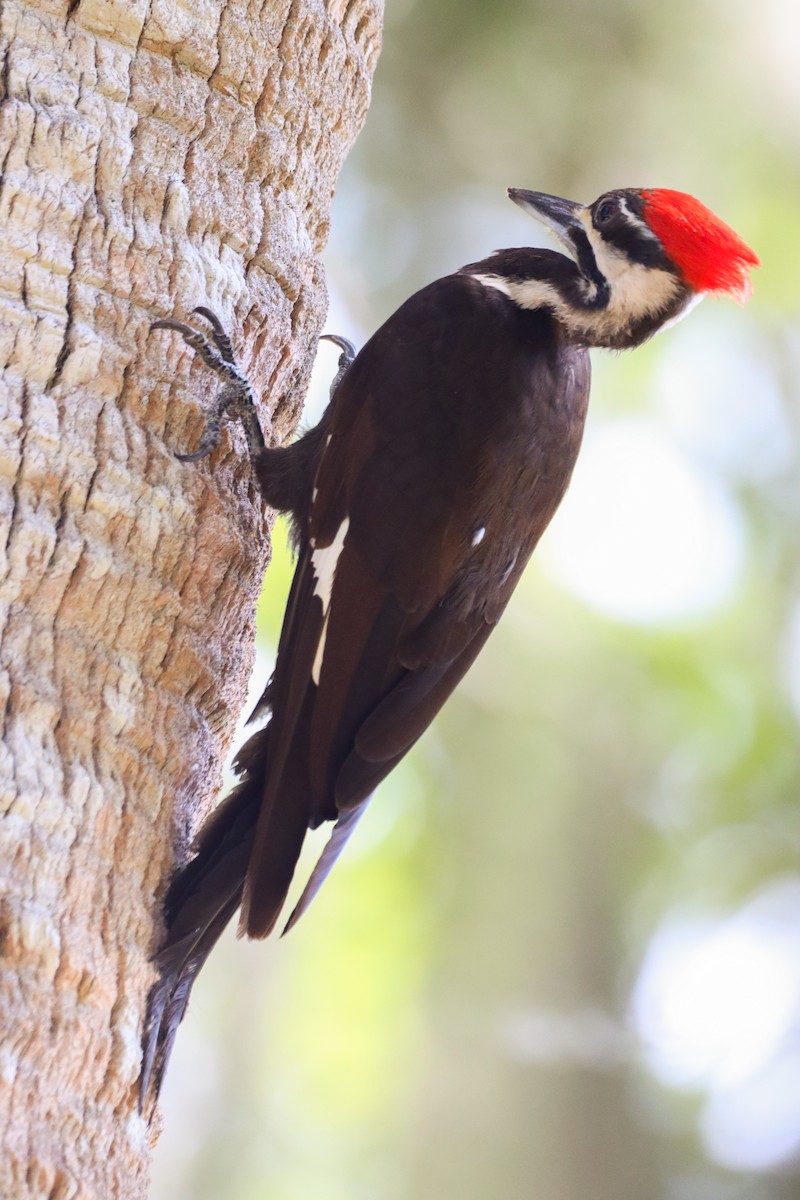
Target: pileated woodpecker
416, 502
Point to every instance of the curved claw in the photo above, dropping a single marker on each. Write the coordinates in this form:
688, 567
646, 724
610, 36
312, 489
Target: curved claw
211, 317
196, 455
220, 337
344, 344
345, 358
171, 323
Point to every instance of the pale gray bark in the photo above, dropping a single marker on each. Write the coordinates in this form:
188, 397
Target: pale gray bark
154, 155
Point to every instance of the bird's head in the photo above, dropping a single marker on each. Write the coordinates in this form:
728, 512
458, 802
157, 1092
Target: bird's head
643, 255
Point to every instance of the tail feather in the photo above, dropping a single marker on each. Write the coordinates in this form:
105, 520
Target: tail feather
282, 827
336, 843
230, 827
201, 899
179, 965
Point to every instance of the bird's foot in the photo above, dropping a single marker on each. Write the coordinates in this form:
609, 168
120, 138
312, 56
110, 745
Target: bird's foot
235, 401
345, 358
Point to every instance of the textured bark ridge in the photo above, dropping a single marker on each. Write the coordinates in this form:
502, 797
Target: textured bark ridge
154, 155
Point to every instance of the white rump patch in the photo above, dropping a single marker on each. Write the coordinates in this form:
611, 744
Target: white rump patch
323, 564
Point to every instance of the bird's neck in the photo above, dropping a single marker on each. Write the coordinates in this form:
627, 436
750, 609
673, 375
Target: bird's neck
618, 309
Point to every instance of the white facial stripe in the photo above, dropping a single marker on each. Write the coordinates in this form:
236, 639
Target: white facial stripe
537, 293
639, 291
610, 262
641, 226
527, 293
636, 291
323, 564
493, 281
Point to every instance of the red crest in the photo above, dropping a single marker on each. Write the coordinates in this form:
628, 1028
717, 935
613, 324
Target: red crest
708, 253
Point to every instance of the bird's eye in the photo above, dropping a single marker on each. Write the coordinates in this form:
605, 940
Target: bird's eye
606, 211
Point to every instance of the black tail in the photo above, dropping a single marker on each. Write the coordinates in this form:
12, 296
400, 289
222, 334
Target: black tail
199, 903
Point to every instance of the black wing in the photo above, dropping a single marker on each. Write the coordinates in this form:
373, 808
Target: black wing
450, 444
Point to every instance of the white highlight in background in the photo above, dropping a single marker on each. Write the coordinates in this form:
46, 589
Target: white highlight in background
718, 1007
645, 535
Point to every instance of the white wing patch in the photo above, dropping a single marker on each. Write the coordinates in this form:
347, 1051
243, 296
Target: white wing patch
323, 564
316, 666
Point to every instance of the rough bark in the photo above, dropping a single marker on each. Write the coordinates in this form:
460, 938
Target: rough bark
154, 155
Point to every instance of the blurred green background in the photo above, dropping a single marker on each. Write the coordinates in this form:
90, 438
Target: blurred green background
561, 956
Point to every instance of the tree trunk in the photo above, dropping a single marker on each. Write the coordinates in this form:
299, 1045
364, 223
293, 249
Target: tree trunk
154, 156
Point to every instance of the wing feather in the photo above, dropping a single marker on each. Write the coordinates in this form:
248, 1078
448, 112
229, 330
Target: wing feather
445, 490
285, 807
